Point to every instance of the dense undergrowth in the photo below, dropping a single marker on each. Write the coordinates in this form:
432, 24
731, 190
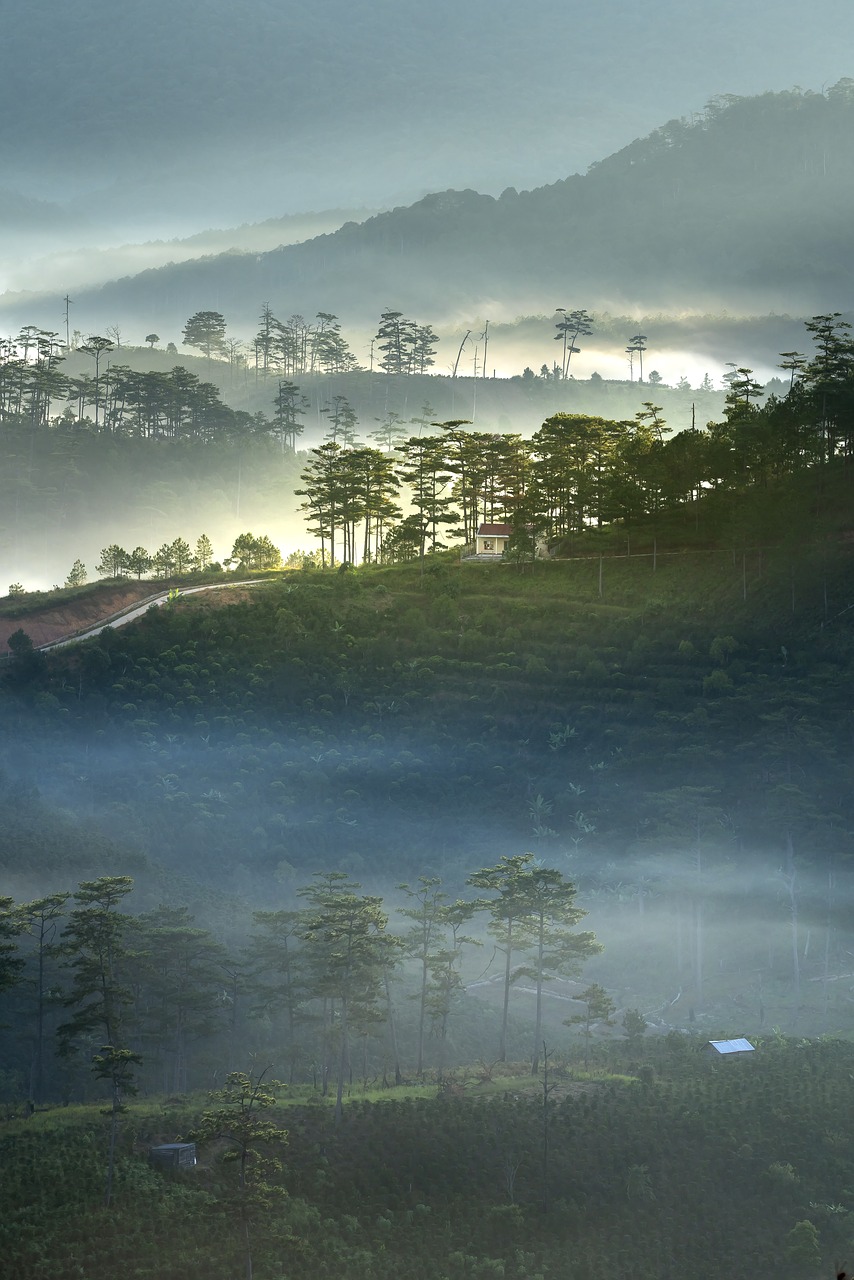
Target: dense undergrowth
728, 1171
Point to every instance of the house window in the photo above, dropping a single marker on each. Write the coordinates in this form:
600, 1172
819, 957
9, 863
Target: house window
488, 544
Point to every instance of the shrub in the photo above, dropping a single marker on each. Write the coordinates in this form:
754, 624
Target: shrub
717, 683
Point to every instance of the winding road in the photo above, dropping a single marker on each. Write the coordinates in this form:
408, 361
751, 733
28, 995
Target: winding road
134, 611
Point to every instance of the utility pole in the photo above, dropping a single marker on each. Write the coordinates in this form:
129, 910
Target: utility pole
67, 302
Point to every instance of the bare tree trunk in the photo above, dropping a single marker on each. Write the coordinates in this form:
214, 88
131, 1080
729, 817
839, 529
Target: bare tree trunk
502, 1047
547, 1088
343, 1062
392, 1026
535, 1065
827, 937
247, 1237
790, 880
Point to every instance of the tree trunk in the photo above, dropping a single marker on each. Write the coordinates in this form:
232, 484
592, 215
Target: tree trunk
790, 879
535, 1064
111, 1156
422, 1014
343, 1058
392, 1027
502, 1047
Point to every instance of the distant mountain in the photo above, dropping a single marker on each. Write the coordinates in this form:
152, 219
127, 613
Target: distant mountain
171, 117
43, 257
19, 212
746, 207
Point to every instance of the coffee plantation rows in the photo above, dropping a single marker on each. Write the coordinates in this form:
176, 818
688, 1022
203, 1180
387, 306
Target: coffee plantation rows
729, 1171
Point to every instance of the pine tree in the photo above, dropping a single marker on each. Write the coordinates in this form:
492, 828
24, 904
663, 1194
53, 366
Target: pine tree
139, 562
12, 923
41, 923
77, 574
289, 406
113, 563
533, 911
94, 946
181, 554
206, 331
204, 552
422, 940
598, 1008
347, 949
242, 1120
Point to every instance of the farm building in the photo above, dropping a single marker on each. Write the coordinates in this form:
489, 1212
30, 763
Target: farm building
718, 1049
173, 1155
492, 540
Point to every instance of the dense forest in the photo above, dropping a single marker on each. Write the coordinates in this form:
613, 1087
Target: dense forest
340, 839
576, 476
79, 418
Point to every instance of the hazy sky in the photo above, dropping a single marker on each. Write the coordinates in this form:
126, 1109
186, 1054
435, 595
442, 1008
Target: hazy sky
182, 114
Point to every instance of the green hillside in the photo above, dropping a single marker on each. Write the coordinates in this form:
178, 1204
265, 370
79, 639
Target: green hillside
730, 1171
659, 720
637, 719
468, 670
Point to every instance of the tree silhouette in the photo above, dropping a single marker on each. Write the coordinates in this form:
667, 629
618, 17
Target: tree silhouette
205, 330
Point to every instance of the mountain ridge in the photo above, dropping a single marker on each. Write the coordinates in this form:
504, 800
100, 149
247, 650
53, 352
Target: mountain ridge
747, 205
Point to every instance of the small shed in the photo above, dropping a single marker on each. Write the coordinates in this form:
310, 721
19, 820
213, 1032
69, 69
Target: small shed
718, 1049
173, 1155
492, 539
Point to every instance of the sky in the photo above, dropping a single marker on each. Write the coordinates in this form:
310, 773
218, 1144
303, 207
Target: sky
162, 119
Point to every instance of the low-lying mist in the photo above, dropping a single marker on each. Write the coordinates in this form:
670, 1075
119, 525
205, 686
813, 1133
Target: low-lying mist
720, 945
717, 936
80, 501
34, 259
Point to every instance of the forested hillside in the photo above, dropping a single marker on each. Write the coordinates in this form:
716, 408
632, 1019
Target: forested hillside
372, 824
663, 725
372, 103
729, 1173
426, 640
99, 437
745, 205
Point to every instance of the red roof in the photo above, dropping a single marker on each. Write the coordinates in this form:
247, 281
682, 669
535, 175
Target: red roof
495, 530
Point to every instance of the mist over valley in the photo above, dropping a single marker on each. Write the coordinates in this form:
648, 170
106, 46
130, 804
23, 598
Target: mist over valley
426, 534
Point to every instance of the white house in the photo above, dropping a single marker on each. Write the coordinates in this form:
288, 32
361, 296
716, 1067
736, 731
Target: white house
492, 539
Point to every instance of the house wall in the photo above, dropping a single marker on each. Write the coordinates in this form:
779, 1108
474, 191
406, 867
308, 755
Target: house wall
490, 545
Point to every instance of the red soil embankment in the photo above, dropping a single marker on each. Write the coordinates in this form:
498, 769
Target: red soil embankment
44, 625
